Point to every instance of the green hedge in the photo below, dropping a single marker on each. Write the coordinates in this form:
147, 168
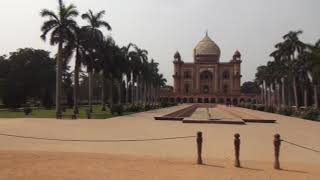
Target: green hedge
310, 113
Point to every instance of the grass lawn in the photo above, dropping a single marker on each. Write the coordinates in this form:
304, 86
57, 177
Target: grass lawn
44, 113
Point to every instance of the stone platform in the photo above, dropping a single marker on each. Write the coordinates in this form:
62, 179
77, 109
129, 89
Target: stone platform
212, 114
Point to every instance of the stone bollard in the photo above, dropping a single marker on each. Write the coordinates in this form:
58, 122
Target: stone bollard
276, 143
199, 147
237, 150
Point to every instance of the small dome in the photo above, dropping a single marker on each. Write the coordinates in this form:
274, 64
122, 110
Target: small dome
237, 53
177, 55
207, 47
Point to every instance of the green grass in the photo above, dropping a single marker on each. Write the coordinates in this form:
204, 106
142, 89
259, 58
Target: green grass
43, 113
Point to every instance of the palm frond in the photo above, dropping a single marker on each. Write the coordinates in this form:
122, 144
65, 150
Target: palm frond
49, 14
104, 24
100, 14
71, 11
86, 17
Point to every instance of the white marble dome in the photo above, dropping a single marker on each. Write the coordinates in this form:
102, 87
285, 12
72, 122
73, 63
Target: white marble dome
207, 47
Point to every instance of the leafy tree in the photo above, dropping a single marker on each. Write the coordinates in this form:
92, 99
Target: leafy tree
250, 87
30, 74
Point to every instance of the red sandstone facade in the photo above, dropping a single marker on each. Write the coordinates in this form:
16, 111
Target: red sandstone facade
206, 79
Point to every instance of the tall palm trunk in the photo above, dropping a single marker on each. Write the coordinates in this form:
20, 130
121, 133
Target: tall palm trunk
90, 90
119, 91
268, 96
144, 93
282, 92
111, 92
272, 95
59, 78
305, 97
127, 90
294, 84
76, 84
103, 90
137, 90
265, 95
315, 92
262, 95
132, 91
152, 94
278, 95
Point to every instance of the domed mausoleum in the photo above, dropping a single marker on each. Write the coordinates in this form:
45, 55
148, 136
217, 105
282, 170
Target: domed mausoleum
206, 79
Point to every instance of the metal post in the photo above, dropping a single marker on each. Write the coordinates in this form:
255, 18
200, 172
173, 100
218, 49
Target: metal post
276, 143
199, 147
237, 150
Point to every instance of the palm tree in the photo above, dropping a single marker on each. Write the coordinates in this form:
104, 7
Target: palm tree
141, 58
154, 71
104, 65
128, 55
293, 48
77, 44
314, 71
160, 83
281, 72
61, 25
95, 22
261, 76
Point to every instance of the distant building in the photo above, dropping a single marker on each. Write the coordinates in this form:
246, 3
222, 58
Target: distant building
206, 79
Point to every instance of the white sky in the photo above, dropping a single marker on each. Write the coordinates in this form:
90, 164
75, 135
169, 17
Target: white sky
164, 26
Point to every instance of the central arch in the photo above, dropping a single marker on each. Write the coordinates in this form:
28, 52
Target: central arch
206, 82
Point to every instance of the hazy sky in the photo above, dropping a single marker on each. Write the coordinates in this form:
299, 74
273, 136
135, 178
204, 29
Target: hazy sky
165, 26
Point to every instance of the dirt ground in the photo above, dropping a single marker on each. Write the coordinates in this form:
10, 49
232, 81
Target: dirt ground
76, 166
171, 159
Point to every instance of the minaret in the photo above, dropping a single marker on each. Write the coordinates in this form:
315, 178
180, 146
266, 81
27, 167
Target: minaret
236, 60
177, 72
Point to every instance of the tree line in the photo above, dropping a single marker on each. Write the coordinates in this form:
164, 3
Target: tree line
292, 78
125, 73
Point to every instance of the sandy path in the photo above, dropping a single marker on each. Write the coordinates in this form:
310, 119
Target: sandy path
218, 139
66, 166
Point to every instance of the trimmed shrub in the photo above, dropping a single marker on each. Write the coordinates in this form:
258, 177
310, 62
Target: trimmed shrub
269, 109
310, 113
27, 111
119, 109
134, 108
148, 107
260, 107
167, 104
287, 111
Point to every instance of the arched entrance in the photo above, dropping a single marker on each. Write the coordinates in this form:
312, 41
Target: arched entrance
206, 100
213, 100
235, 101
185, 100
206, 82
190, 100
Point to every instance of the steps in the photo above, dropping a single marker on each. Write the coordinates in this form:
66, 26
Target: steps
197, 114
216, 121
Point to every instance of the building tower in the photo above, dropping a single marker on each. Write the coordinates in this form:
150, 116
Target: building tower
177, 72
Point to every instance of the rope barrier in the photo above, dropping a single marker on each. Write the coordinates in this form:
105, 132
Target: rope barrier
94, 141
310, 149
